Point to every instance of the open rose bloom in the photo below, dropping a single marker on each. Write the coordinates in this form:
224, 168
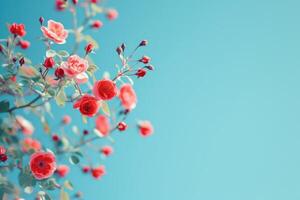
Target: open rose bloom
75, 67
42, 165
55, 31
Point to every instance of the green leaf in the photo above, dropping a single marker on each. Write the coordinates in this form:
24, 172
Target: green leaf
25, 178
68, 185
48, 184
105, 108
63, 53
50, 53
4, 106
64, 195
61, 97
96, 8
92, 69
74, 160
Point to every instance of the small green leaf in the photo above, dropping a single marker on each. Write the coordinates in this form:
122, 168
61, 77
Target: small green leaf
50, 53
68, 185
4, 106
105, 108
74, 160
64, 195
61, 97
25, 178
96, 8
63, 53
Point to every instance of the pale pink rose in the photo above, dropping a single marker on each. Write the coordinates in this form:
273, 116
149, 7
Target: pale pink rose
127, 96
25, 125
55, 32
75, 67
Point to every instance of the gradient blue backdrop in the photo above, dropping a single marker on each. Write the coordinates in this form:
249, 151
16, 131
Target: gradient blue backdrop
224, 98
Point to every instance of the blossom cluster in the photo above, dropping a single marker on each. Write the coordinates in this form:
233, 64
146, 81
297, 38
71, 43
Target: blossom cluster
62, 77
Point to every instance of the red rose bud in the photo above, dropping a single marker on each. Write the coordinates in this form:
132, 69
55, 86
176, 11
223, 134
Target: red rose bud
86, 169
49, 62
89, 48
17, 29
112, 14
3, 157
24, 44
75, 2
145, 59
59, 73
1, 48
123, 46
150, 67
60, 5
107, 150
140, 73
85, 132
143, 43
22, 61
94, 1
119, 50
122, 126
41, 20
55, 138
97, 24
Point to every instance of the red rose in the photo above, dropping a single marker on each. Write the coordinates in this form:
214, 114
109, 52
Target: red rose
98, 172
17, 29
62, 170
87, 105
105, 89
60, 5
102, 125
107, 150
42, 165
145, 128
24, 44
127, 97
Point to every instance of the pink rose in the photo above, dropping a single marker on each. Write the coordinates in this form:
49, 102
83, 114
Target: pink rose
55, 32
30, 144
75, 67
25, 125
103, 125
127, 97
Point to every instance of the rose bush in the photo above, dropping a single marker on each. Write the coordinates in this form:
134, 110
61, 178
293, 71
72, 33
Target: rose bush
29, 90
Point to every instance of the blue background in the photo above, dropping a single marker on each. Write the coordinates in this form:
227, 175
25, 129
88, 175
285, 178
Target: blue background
224, 98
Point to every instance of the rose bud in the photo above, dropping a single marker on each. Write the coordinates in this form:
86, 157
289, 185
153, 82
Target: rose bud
107, 150
62, 170
14, 59
89, 48
119, 50
24, 44
41, 20
85, 132
145, 59
75, 2
143, 43
145, 128
94, 1
86, 169
122, 126
150, 67
22, 61
123, 46
59, 72
55, 138
3, 157
1, 48
98, 172
140, 73
112, 14
97, 24
49, 62
60, 5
